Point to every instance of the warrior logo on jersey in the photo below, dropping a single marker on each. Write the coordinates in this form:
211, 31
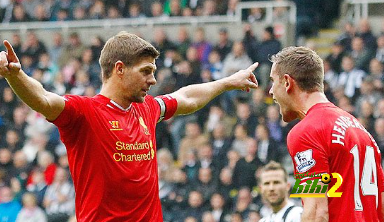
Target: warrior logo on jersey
115, 125
141, 121
304, 161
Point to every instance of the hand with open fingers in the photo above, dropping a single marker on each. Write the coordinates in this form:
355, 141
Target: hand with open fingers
9, 63
244, 79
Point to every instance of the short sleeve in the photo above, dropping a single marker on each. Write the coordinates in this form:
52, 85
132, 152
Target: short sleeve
168, 106
73, 110
308, 154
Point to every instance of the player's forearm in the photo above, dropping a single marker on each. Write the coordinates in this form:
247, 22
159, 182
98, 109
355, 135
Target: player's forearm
194, 97
314, 214
29, 91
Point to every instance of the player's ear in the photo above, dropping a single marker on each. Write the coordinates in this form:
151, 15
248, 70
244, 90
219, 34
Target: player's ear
288, 188
119, 66
288, 82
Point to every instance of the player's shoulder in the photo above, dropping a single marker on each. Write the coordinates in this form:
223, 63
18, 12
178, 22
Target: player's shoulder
294, 214
319, 117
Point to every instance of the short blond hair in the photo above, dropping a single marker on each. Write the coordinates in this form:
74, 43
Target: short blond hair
303, 65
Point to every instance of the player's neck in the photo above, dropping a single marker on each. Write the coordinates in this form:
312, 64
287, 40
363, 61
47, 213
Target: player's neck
277, 208
112, 92
307, 100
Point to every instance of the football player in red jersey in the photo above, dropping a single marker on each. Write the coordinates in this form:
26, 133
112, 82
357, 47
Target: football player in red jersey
110, 138
326, 140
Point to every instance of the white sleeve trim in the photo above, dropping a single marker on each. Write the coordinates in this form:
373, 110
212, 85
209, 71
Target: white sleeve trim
162, 108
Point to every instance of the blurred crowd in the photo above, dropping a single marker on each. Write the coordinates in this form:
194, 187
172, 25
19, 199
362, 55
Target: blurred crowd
311, 15
208, 162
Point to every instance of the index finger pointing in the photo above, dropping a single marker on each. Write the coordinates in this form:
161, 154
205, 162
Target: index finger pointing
9, 47
253, 66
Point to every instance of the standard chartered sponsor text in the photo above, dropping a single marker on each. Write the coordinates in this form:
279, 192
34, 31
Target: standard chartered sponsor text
132, 146
124, 157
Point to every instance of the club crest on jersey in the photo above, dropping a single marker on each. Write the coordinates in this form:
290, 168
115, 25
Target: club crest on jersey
304, 161
115, 125
141, 121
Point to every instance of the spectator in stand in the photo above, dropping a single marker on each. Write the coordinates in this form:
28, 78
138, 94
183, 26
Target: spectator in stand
45, 161
273, 123
215, 65
38, 186
218, 207
39, 13
162, 43
206, 184
56, 49
380, 109
224, 45
345, 39
376, 71
267, 148
12, 140
243, 204
59, 199
202, 45
236, 60
192, 141
21, 167
183, 41
33, 47
135, 11
113, 13
173, 7
209, 8
193, 59
239, 141
79, 13
367, 93
269, 45
221, 144
19, 121
361, 54
243, 174
207, 217
258, 105
231, 8
226, 186
232, 157
157, 10
364, 31
73, 49
335, 57
97, 11
8, 103
379, 134
30, 211
9, 208
250, 42
6, 165
380, 49
351, 78
195, 206
19, 14
255, 15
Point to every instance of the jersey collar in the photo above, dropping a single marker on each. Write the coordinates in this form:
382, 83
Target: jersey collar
111, 104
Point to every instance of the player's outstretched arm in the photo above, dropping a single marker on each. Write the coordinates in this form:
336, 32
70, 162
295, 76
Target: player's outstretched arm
28, 89
315, 210
194, 97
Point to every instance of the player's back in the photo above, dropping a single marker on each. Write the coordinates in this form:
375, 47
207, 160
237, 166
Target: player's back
340, 144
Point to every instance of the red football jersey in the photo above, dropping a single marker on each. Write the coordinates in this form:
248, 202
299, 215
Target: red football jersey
330, 140
112, 156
